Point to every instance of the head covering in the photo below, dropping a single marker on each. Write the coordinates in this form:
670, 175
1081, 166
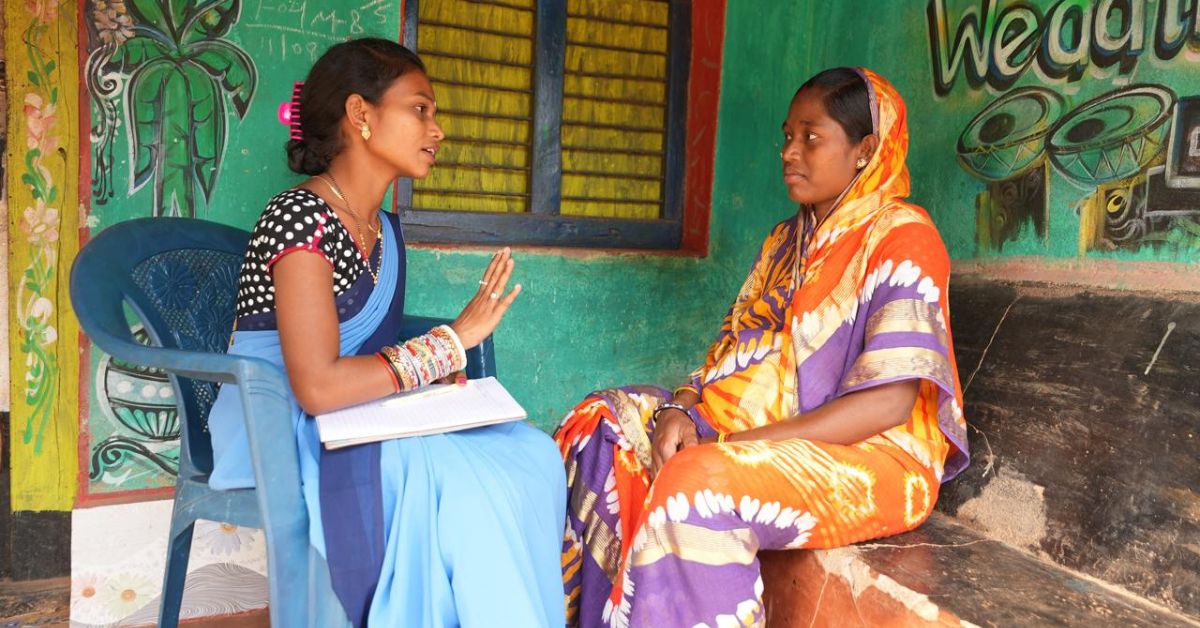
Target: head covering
858, 301
885, 178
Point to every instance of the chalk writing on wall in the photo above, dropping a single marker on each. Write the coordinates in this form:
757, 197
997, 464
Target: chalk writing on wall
291, 29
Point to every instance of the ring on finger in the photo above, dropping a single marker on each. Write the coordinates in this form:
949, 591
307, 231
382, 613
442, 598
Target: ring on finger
483, 282
494, 296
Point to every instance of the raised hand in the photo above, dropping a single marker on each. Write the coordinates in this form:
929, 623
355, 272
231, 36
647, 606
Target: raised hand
484, 311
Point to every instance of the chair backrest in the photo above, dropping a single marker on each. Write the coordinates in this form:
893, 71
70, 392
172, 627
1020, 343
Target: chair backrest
179, 278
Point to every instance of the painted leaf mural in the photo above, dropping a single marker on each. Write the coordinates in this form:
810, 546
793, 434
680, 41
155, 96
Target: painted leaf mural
170, 87
168, 84
177, 77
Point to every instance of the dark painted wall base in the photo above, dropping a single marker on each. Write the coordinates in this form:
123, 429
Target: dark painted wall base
33, 545
1079, 454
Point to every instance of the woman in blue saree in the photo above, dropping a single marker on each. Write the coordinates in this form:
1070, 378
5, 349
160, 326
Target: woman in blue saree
452, 529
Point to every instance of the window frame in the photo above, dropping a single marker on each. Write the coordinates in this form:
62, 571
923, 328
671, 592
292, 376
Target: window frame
681, 228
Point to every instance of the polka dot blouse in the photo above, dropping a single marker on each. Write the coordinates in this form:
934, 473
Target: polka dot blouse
295, 220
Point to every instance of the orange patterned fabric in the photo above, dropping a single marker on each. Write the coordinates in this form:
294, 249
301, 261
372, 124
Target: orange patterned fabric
873, 236
856, 301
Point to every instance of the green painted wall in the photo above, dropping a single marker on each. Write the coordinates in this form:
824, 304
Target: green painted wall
582, 323
608, 320
892, 37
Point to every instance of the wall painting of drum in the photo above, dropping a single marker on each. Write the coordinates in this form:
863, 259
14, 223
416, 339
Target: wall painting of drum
1113, 145
1004, 145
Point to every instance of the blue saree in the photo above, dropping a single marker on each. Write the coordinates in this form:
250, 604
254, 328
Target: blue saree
446, 530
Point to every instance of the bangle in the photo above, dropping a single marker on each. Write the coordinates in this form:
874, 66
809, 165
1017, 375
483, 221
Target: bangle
721, 436
391, 371
420, 361
667, 406
687, 388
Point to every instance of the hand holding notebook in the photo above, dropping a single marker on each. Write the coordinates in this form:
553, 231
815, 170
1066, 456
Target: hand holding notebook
431, 410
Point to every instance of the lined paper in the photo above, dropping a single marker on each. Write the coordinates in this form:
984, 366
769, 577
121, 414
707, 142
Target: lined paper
432, 410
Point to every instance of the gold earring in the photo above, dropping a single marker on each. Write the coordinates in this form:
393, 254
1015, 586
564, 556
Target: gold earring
861, 163
365, 130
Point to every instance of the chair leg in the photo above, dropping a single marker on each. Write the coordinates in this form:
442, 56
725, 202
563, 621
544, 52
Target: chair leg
287, 568
180, 546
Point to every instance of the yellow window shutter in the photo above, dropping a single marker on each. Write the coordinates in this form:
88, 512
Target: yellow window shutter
614, 108
480, 59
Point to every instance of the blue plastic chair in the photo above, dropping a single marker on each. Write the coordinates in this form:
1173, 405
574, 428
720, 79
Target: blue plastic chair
178, 278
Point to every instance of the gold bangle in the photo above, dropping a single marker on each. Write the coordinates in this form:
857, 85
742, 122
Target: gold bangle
686, 387
721, 436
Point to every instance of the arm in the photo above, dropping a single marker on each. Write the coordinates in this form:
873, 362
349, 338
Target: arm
674, 429
843, 421
848, 419
321, 379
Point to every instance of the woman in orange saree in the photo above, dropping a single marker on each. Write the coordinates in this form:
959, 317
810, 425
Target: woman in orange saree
828, 411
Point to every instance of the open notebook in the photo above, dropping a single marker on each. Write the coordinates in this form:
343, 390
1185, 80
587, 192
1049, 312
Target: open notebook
432, 410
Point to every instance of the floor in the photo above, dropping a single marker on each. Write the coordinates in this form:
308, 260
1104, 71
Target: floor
48, 603
35, 603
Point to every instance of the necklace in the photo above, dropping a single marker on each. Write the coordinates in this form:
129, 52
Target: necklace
362, 240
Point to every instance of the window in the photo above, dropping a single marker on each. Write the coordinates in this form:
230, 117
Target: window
565, 122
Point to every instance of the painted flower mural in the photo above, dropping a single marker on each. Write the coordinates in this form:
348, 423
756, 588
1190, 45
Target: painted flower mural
35, 309
225, 539
86, 592
43, 11
40, 223
125, 593
39, 119
113, 24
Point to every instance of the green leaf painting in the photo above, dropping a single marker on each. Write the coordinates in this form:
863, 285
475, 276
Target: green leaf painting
182, 79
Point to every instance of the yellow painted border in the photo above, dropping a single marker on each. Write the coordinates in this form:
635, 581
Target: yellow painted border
43, 182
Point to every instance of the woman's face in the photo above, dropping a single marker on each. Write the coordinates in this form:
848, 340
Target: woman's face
403, 130
818, 158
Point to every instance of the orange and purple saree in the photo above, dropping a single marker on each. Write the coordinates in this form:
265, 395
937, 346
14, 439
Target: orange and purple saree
857, 301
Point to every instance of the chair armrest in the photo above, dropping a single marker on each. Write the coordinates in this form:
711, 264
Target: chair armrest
481, 359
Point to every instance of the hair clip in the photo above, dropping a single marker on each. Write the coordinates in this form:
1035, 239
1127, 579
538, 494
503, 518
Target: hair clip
289, 113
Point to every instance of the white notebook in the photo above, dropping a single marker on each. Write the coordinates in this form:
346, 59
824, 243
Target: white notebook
432, 410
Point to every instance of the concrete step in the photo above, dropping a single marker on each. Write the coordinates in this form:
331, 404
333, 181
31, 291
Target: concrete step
943, 574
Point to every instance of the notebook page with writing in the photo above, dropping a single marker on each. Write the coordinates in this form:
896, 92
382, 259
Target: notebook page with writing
429, 411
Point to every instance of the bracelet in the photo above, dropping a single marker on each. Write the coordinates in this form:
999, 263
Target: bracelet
721, 436
422, 360
688, 388
391, 371
667, 406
